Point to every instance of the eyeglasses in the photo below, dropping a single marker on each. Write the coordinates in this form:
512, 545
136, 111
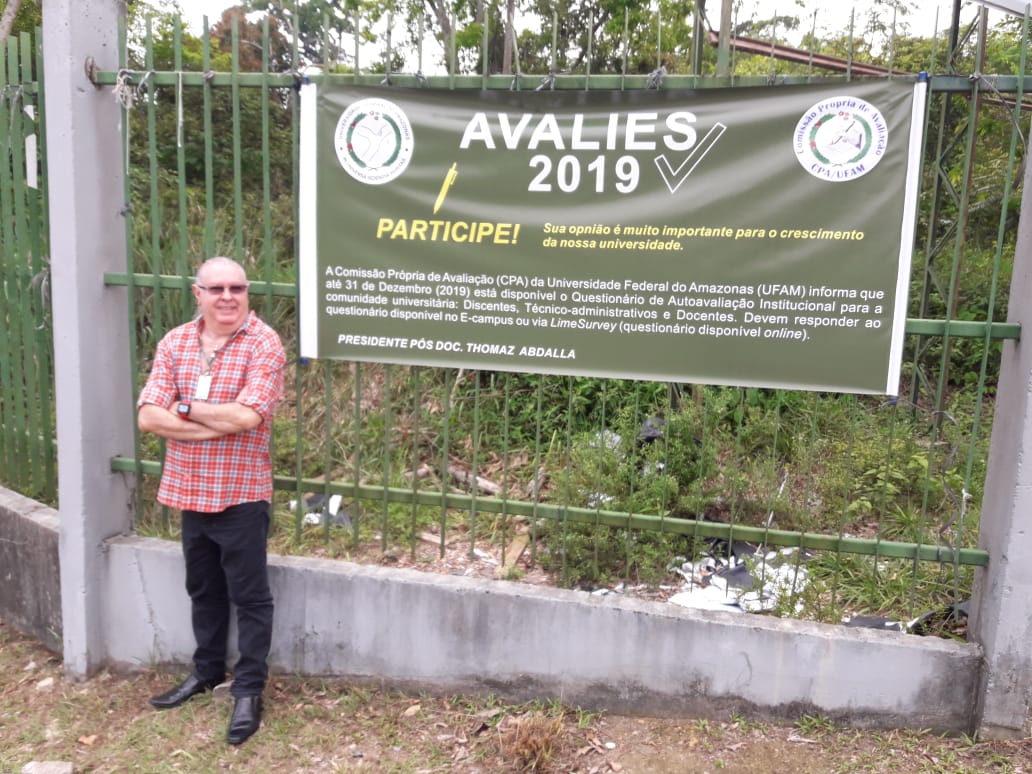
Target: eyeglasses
218, 290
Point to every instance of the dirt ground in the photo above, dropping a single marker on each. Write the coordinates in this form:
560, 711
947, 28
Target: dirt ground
105, 725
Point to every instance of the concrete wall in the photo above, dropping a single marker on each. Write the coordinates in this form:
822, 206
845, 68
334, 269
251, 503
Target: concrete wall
30, 577
444, 634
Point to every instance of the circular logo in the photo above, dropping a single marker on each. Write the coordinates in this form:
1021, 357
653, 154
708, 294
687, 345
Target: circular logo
840, 139
373, 140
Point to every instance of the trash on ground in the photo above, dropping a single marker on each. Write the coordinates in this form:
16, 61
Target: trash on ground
951, 619
741, 580
319, 509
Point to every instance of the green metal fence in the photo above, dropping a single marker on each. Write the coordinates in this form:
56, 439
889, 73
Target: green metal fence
592, 481
27, 450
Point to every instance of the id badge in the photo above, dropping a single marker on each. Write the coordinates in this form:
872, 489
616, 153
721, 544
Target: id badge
203, 387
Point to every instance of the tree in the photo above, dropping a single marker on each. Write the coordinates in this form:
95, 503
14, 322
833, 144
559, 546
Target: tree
20, 16
7, 18
318, 25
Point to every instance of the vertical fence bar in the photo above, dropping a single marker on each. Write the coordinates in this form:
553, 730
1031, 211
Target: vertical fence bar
22, 210
628, 534
268, 248
40, 247
537, 473
238, 196
601, 446
567, 455
356, 435
388, 440
183, 259
357, 21
810, 47
300, 369
452, 43
474, 472
18, 290
209, 153
623, 59
8, 280
587, 61
154, 197
130, 267
417, 413
852, 42
506, 406
329, 424
450, 375
485, 69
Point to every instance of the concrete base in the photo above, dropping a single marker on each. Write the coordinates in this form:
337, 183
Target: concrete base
30, 570
446, 634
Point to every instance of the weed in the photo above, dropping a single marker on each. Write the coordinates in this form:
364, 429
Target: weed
529, 741
815, 725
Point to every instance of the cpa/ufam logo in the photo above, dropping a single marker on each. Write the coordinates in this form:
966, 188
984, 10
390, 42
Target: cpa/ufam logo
373, 140
840, 139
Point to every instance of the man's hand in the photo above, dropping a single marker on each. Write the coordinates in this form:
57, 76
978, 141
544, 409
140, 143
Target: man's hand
225, 418
166, 423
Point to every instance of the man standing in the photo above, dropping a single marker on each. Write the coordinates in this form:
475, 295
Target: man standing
211, 393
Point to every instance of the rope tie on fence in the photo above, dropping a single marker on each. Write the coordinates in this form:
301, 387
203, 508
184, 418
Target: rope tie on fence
11, 88
179, 110
11, 95
125, 96
142, 84
655, 78
548, 82
123, 91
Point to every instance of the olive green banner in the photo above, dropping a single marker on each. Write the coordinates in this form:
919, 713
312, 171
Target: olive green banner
747, 236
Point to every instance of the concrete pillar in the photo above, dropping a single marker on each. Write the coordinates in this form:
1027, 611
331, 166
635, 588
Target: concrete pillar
91, 337
1001, 610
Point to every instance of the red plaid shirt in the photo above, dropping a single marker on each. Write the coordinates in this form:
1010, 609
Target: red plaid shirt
210, 476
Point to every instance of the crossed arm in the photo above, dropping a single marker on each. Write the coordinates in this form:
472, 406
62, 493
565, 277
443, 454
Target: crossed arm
207, 420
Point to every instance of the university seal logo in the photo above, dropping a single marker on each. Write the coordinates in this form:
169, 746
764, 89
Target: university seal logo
373, 140
840, 139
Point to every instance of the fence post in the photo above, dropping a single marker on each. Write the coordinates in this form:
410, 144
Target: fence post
91, 350
1001, 609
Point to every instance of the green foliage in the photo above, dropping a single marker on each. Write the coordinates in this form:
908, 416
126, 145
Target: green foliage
319, 25
28, 18
850, 584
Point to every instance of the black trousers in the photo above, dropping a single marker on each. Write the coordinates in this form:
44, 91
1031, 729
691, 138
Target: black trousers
226, 563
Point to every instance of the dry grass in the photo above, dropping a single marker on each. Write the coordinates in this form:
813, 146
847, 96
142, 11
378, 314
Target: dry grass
530, 741
315, 726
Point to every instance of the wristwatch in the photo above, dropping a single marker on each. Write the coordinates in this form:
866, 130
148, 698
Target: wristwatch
183, 410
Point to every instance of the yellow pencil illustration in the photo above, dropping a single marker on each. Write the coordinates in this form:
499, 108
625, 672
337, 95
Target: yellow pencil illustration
449, 179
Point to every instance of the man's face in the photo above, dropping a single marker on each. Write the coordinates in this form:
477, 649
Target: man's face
220, 306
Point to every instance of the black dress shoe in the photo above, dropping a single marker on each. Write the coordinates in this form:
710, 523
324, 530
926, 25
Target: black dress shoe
187, 689
247, 716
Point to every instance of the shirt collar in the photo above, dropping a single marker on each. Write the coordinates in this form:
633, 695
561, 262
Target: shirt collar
244, 326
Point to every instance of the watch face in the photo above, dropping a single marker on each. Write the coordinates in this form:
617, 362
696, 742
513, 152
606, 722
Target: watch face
183, 409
